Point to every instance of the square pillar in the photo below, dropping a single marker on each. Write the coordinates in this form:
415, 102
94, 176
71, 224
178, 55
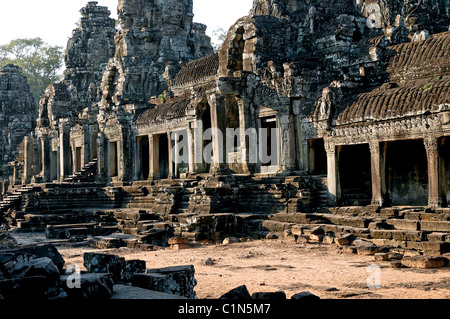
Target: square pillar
378, 173
431, 146
171, 161
332, 173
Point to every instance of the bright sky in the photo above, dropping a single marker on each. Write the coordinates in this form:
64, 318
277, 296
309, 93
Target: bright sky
54, 20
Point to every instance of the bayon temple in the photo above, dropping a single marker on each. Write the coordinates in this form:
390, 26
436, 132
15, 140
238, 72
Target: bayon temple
332, 113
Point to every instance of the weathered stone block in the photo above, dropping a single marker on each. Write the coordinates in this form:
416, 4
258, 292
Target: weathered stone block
99, 262
88, 286
403, 224
439, 247
423, 262
365, 247
305, 296
435, 226
381, 257
123, 271
178, 281
240, 293
277, 295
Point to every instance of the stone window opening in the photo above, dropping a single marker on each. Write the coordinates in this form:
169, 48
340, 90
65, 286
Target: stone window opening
113, 163
317, 157
236, 53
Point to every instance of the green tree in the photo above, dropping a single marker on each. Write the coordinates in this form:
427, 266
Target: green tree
40, 62
219, 37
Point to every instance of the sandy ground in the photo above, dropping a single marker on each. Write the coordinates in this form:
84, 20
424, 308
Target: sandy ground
273, 265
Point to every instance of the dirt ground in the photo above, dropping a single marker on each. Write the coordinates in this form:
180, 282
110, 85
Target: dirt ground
273, 265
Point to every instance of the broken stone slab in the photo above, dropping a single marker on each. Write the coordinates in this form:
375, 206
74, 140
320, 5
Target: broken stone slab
40, 251
365, 248
88, 286
277, 295
240, 292
99, 262
230, 240
178, 240
381, 257
123, 271
305, 296
271, 236
344, 240
126, 292
423, 262
395, 264
438, 247
7, 241
178, 280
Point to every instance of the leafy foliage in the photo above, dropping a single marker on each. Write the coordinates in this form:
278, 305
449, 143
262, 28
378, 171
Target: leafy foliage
40, 62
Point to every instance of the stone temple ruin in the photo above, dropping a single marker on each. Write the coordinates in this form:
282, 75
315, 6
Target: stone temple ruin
350, 98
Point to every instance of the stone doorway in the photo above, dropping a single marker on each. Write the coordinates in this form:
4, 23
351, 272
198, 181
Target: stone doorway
143, 157
269, 151
78, 159
406, 173
163, 148
317, 157
355, 177
113, 164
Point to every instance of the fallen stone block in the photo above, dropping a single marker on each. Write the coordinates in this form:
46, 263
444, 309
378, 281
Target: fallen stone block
424, 262
439, 247
395, 264
365, 248
238, 293
40, 251
329, 239
88, 286
277, 295
230, 240
381, 257
178, 240
305, 296
178, 281
7, 241
123, 270
316, 238
344, 240
99, 262
126, 292
105, 243
435, 226
271, 236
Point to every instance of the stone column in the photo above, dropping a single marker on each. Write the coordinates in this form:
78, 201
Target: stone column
218, 116
332, 173
30, 161
150, 157
171, 166
431, 147
65, 152
102, 167
287, 139
45, 158
154, 166
378, 180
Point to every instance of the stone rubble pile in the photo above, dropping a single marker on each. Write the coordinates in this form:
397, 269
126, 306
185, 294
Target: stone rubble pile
39, 272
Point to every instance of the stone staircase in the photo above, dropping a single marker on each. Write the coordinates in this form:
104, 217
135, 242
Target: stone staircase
86, 174
13, 198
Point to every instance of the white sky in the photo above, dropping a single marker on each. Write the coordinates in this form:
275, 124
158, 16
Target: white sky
54, 20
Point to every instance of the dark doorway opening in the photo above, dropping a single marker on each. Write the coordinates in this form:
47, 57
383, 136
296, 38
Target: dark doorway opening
144, 157
317, 157
163, 156
407, 173
355, 175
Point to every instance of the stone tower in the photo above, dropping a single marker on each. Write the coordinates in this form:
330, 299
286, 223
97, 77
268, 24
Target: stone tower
17, 111
153, 34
